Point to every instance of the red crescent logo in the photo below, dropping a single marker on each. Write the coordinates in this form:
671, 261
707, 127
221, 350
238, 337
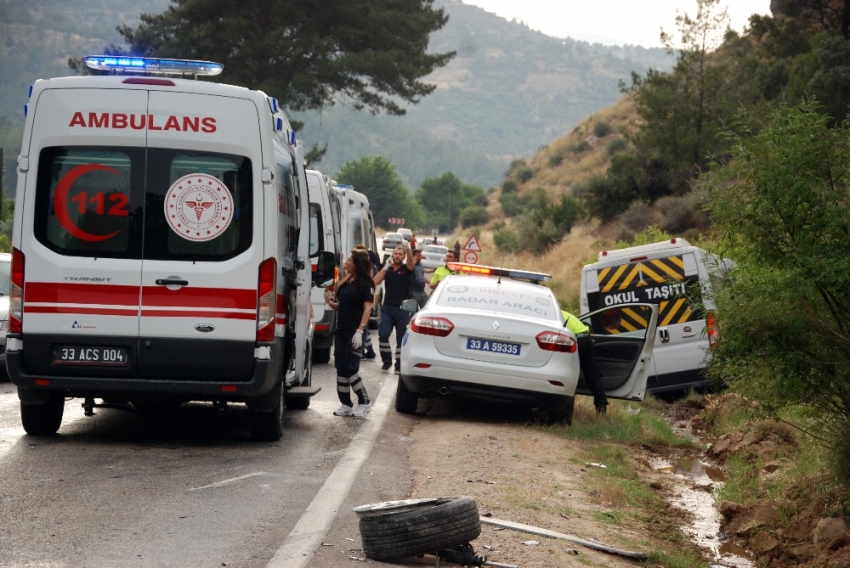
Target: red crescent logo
60, 202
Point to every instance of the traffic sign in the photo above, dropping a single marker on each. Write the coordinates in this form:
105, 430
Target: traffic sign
396, 221
472, 244
470, 257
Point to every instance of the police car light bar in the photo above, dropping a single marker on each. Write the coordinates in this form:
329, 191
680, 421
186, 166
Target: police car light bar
152, 65
494, 271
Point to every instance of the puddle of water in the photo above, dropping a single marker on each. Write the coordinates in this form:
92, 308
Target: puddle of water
694, 487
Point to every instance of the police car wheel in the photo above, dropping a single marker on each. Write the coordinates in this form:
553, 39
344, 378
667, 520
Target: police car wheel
564, 416
405, 401
267, 426
43, 419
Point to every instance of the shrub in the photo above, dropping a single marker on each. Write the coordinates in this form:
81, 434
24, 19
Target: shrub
498, 226
604, 199
537, 237
617, 145
567, 213
507, 241
578, 148
513, 204
524, 174
637, 218
473, 215
602, 129
556, 159
480, 199
510, 186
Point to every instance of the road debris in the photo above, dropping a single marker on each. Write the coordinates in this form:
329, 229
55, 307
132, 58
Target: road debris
531, 542
594, 464
561, 536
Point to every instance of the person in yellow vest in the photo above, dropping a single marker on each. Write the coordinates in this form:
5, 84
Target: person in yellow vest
443, 271
587, 361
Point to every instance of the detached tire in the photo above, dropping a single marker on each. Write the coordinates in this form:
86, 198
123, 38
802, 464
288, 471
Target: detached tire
43, 419
434, 525
405, 401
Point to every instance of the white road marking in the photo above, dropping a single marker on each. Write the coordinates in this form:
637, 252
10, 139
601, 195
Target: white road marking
307, 536
241, 477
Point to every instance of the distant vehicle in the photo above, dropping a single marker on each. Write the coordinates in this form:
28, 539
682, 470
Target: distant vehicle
324, 235
497, 334
407, 234
5, 273
675, 276
357, 227
431, 241
434, 256
391, 240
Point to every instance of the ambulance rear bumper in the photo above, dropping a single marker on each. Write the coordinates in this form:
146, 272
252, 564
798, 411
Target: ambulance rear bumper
261, 379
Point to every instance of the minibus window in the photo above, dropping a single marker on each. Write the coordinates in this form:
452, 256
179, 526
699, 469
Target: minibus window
316, 231
88, 201
198, 235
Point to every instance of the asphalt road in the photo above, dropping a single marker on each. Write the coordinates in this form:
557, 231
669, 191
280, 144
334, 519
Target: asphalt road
190, 488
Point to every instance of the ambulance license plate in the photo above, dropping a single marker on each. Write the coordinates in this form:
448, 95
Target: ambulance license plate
90, 355
492, 346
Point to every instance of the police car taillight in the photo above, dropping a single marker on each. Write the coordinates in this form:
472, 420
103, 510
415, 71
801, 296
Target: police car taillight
267, 300
556, 341
440, 327
16, 293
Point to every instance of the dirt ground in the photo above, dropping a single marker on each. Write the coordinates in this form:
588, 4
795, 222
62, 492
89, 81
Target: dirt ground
529, 475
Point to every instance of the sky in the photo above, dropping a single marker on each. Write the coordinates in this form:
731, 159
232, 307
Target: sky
612, 22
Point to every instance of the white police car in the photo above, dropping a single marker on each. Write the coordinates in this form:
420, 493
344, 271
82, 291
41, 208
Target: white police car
498, 334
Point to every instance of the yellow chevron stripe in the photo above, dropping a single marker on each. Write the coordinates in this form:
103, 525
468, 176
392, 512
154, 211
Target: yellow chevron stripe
673, 311
628, 279
615, 278
600, 276
685, 316
654, 275
628, 326
677, 260
670, 271
635, 316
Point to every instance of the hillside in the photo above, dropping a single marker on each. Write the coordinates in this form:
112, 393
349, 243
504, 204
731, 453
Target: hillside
508, 91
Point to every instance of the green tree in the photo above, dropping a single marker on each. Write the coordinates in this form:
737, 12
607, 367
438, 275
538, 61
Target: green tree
781, 202
444, 197
473, 215
372, 52
376, 177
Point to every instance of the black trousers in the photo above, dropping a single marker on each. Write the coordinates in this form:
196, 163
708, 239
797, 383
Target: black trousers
587, 362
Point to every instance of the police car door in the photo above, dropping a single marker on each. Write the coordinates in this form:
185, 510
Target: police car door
203, 239
624, 338
81, 231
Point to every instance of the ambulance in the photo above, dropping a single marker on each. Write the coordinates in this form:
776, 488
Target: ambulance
678, 277
324, 235
357, 227
160, 247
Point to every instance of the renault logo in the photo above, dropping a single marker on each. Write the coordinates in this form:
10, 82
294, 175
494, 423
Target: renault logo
204, 327
495, 325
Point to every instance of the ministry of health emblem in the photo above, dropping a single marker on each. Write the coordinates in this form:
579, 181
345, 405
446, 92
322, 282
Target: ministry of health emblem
198, 207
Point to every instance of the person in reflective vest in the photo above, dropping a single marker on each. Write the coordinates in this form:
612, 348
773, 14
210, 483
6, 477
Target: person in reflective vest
587, 360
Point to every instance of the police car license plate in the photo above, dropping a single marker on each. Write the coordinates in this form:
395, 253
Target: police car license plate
90, 355
492, 346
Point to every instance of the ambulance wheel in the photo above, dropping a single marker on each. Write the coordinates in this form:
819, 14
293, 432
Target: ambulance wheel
267, 425
298, 402
564, 416
43, 419
405, 401
321, 355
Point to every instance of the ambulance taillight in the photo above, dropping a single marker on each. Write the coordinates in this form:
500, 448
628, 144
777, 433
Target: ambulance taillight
267, 300
16, 293
711, 328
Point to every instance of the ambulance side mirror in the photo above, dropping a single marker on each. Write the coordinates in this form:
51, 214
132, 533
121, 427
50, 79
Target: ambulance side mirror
324, 267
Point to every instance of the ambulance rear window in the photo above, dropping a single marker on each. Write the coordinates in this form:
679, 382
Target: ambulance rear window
316, 230
198, 236
88, 201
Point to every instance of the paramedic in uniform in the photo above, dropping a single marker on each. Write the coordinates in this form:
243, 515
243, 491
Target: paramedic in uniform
587, 361
397, 276
353, 304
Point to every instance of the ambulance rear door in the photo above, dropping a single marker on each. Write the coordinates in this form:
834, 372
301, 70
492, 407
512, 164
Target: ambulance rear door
203, 241
81, 232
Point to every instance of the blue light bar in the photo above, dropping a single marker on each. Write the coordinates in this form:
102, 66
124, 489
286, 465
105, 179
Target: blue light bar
152, 65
